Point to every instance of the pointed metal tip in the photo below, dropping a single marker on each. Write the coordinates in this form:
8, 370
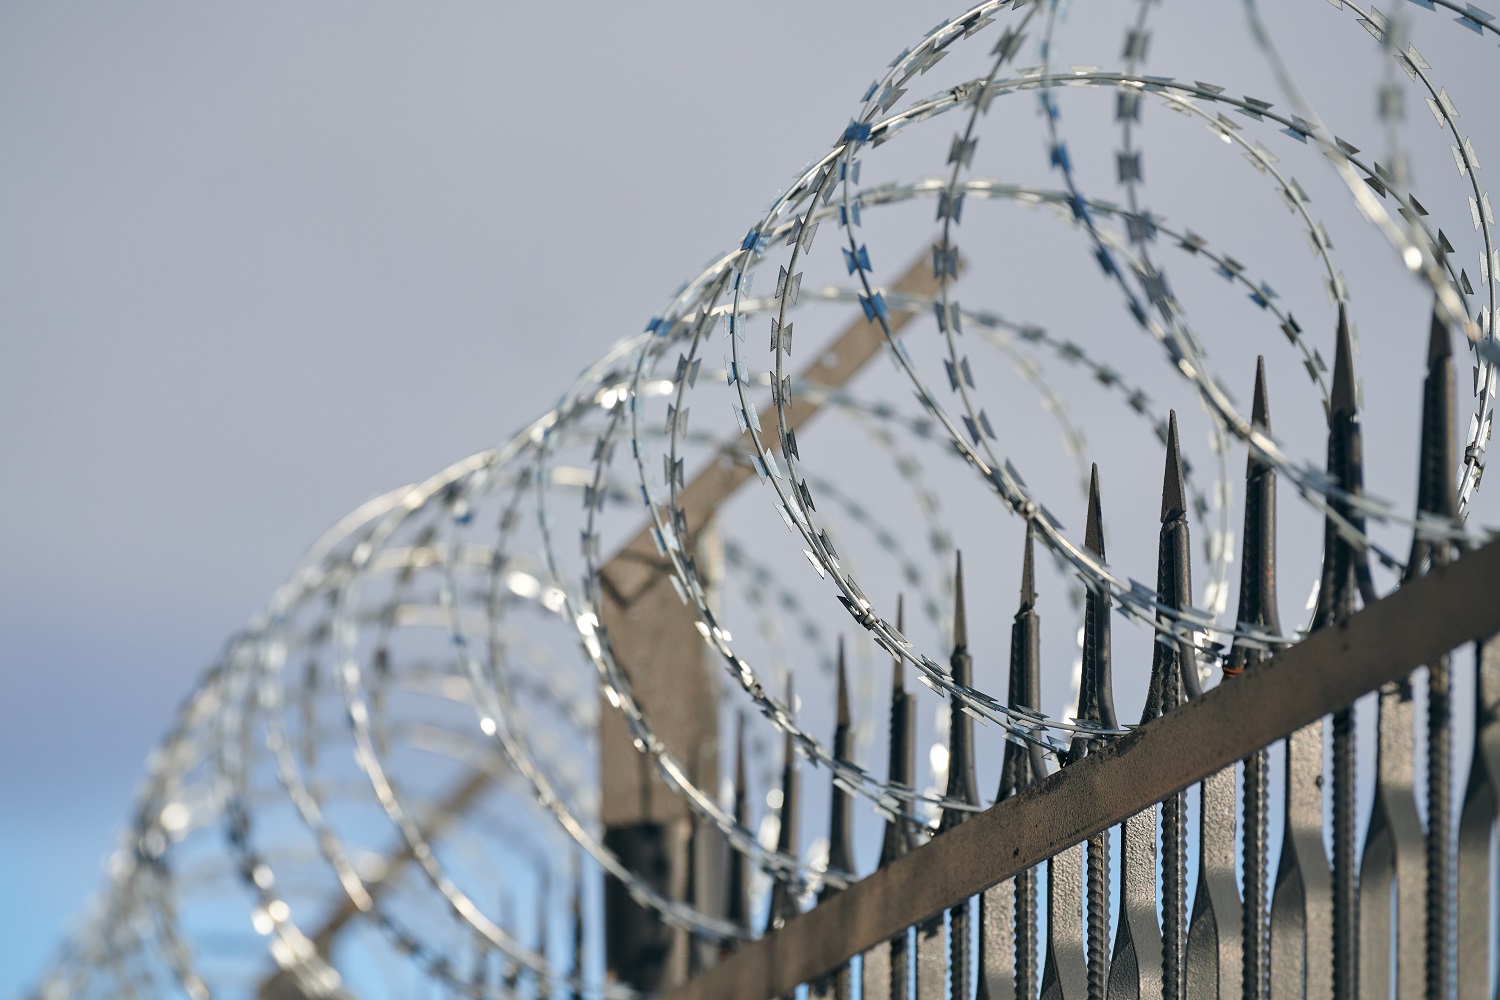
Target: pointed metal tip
1439, 345
960, 619
1173, 492
843, 695
1028, 571
1342, 398
1093, 532
1260, 411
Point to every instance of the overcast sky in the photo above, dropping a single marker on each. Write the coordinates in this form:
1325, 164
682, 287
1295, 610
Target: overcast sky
259, 263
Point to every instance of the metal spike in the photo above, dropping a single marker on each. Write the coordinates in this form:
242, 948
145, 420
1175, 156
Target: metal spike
839, 984
1093, 534
1028, 577
1257, 608
1173, 492
783, 902
1342, 397
1024, 763
1226, 943
1260, 408
1096, 698
886, 969
1435, 493
1435, 496
1096, 704
1174, 680
1346, 462
900, 831
960, 619
962, 786
1008, 911
1345, 571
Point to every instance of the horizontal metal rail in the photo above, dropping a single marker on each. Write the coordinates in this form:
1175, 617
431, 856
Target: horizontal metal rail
1325, 672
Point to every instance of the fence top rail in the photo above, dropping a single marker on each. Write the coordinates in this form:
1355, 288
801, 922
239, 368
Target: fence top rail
1328, 670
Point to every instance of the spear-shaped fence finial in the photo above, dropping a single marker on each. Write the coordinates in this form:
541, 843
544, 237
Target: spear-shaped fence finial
783, 901
840, 845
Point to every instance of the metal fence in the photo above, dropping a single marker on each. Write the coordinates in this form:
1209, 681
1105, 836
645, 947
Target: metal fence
1031, 880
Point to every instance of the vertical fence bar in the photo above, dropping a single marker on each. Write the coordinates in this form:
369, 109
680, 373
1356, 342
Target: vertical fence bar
1023, 765
1215, 958
839, 984
1149, 957
1096, 704
1435, 496
1257, 609
885, 970
962, 785
1174, 680
784, 904
1344, 568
